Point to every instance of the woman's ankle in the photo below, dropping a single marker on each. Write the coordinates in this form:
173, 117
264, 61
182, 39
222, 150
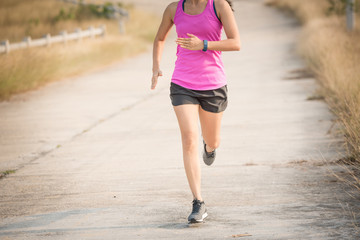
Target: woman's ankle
209, 149
199, 198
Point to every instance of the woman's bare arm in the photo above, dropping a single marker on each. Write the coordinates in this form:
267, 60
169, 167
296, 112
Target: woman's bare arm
165, 26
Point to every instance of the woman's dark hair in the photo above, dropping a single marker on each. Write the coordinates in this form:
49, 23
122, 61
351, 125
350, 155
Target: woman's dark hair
230, 3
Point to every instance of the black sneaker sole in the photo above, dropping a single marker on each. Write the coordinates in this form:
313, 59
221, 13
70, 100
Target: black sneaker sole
193, 220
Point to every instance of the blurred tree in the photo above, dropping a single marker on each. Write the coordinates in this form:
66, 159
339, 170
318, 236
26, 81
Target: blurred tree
338, 7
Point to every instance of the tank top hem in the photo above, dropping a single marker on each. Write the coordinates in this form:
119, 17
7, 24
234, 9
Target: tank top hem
201, 88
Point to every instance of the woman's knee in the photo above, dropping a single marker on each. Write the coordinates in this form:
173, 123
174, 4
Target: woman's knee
190, 140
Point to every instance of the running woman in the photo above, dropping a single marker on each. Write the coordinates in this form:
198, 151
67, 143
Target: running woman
198, 87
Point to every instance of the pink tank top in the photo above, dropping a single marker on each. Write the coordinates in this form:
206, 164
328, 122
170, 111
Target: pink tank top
198, 70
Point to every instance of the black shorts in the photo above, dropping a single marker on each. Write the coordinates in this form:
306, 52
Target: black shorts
210, 100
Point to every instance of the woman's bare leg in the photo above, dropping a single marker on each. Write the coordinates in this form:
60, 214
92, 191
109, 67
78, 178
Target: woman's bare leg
210, 127
187, 116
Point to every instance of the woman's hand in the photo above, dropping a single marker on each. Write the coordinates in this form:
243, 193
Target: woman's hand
156, 74
191, 43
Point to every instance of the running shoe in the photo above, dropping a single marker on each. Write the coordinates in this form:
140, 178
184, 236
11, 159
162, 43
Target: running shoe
198, 213
208, 158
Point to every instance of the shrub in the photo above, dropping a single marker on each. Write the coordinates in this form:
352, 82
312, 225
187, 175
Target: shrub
338, 7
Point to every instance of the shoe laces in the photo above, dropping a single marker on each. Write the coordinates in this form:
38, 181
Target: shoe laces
209, 154
212, 154
196, 205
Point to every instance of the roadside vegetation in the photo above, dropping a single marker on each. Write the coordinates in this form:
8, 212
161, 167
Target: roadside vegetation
27, 69
6, 173
333, 55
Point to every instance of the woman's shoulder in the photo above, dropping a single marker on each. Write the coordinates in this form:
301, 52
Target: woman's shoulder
171, 8
222, 6
221, 3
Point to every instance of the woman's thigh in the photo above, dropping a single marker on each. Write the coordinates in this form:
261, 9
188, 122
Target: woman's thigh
188, 115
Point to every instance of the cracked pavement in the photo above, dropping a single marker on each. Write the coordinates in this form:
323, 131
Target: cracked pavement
99, 157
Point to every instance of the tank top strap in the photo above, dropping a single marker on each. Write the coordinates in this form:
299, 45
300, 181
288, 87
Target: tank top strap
211, 10
178, 10
208, 7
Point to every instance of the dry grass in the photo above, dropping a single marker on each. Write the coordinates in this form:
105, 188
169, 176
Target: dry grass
31, 68
20, 18
304, 10
24, 70
333, 54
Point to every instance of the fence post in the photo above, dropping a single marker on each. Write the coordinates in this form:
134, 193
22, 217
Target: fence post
121, 26
103, 29
6, 44
48, 39
78, 31
28, 41
91, 29
350, 14
64, 34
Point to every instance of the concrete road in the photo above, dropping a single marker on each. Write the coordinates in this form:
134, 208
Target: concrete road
99, 156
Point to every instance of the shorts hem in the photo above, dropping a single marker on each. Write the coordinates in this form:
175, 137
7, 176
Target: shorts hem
208, 110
